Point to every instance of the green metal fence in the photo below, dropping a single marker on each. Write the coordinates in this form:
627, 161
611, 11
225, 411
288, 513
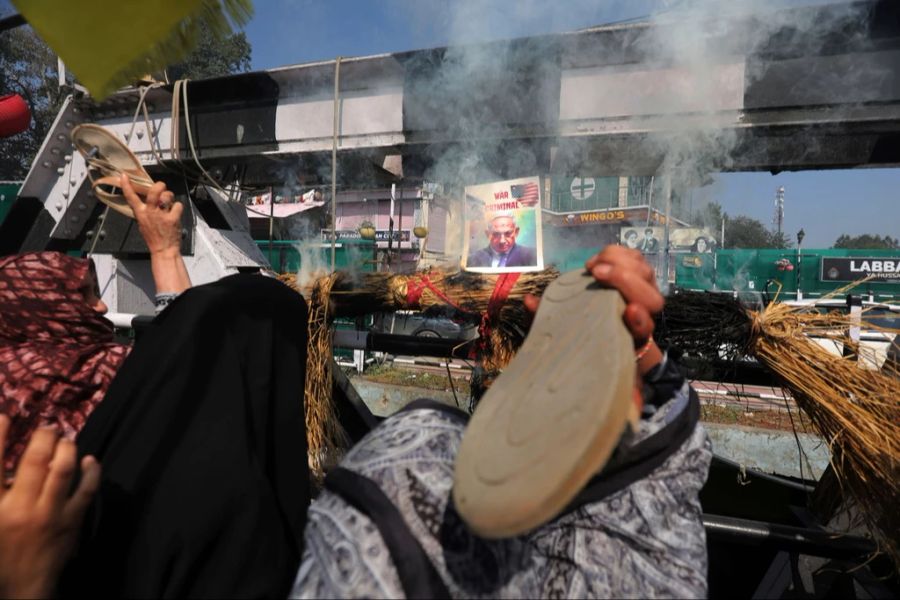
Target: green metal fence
8, 192
285, 256
746, 271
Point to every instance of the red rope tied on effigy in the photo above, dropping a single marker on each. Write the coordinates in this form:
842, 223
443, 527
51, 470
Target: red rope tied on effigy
415, 286
502, 288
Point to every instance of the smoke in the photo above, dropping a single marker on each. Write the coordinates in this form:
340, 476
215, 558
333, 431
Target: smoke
769, 50
690, 82
315, 251
719, 66
693, 77
470, 96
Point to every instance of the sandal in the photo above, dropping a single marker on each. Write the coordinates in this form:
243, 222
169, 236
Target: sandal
107, 159
554, 416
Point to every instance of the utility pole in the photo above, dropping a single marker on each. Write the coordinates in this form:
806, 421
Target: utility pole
778, 220
391, 225
716, 255
334, 143
272, 224
400, 228
800, 235
667, 193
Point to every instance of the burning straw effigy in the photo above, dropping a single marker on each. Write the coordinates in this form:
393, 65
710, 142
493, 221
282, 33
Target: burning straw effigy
496, 301
856, 410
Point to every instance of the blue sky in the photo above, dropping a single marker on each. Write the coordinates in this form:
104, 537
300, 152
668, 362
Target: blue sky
824, 203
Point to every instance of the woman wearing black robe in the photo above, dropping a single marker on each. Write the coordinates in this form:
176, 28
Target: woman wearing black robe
201, 438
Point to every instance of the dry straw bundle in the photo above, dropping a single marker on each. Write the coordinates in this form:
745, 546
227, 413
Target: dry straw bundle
325, 436
343, 295
468, 293
855, 409
495, 300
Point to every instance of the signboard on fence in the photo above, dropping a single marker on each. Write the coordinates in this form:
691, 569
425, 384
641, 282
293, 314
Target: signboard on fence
882, 269
381, 235
648, 240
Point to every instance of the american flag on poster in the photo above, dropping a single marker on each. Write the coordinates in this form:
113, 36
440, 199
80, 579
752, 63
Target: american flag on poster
526, 194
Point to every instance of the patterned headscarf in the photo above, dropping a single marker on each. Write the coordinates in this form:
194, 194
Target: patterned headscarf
57, 355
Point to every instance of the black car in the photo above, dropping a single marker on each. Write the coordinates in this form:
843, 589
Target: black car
415, 323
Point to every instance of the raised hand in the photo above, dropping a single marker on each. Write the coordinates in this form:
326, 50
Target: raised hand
39, 519
625, 270
159, 219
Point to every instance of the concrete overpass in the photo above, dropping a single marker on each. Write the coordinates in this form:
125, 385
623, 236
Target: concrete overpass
805, 88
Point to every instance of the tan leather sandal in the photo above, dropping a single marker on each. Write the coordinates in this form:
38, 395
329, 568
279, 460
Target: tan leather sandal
108, 159
554, 416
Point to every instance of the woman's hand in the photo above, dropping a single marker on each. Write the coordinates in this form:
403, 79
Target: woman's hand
625, 270
159, 220
39, 520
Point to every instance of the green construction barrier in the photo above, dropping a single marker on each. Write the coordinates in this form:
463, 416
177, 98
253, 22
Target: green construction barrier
9, 190
746, 271
285, 255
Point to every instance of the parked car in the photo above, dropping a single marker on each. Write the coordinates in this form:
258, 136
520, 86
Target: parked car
415, 323
875, 346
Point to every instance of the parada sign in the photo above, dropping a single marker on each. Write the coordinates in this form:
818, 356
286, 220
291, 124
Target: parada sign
882, 269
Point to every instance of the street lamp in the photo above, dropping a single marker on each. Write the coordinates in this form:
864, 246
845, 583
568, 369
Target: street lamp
800, 235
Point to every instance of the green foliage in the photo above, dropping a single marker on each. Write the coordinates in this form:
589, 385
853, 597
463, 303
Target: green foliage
746, 232
211, 18
27, 68
710, 216
867, 242
214, 57
432, 381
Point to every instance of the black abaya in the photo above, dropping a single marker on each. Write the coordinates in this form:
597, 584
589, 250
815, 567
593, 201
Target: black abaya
202, 443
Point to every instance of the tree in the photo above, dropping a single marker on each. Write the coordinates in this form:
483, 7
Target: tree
710, 216
27, 68
213, 57
745, 232
867, 242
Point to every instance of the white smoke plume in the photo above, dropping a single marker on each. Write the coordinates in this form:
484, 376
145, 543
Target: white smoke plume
686, 75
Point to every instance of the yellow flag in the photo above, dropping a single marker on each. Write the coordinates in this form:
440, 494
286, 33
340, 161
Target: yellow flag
109, 43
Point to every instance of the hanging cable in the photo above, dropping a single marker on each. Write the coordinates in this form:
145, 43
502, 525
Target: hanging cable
334, 141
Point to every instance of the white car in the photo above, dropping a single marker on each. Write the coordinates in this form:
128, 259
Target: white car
875, 345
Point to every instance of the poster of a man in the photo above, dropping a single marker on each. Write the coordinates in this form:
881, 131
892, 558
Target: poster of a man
502, 249
649, 244
646, 239
503, 227
630, 239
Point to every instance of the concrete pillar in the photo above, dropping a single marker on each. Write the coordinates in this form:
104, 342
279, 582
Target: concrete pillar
623, 192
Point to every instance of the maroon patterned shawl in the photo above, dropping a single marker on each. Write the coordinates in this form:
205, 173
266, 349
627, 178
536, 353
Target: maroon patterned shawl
57, 355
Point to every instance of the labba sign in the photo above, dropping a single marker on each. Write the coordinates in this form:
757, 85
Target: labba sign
853, 268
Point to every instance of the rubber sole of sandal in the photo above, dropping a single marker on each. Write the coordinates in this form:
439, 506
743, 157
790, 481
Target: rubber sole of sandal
551, 420
88, 136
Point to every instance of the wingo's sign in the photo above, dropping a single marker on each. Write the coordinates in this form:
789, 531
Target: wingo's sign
883, 269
